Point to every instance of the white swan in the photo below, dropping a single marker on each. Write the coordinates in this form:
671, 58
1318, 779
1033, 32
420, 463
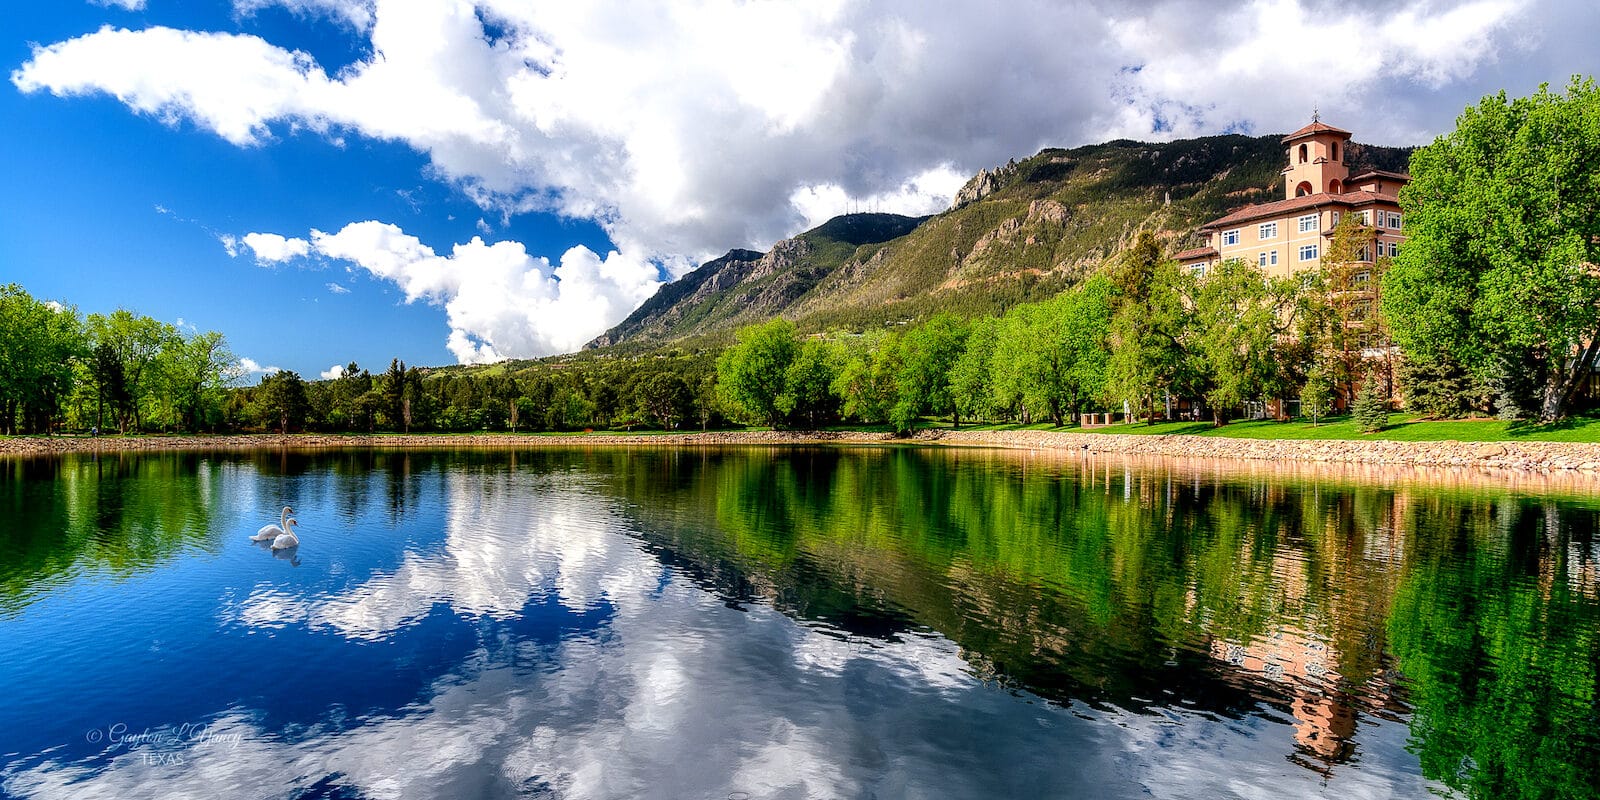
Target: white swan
270, 532
287, 539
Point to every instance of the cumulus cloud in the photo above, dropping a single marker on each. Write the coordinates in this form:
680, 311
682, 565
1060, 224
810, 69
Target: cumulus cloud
500, 301
338, 289
249, 367
686, 128
269, 248
127, 5
332, 373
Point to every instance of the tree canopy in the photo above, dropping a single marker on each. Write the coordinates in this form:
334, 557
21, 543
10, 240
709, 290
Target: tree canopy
1503, 227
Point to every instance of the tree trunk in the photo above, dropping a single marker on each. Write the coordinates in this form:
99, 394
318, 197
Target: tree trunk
1565, 382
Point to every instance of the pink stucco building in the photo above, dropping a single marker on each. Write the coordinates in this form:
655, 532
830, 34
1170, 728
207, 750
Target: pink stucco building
1291, 235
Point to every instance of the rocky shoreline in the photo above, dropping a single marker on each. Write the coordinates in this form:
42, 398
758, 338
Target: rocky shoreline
1526, 456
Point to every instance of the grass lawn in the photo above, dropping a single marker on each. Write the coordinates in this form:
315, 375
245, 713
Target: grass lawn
1402, 427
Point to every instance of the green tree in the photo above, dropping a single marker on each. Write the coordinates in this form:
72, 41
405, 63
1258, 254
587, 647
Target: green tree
1316, 395
1051, 357
1435, 385
666, 397
929, 354
1343, 318
282, 397
1503, 235
1371, 409
137, 342
39, 343
392, 386
971, 386
808, 384
1149, 328
752, 372
196, 370
110, 385
1243, 319
868, 377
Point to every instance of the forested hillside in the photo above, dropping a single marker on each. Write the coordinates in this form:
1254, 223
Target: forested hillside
1018, 233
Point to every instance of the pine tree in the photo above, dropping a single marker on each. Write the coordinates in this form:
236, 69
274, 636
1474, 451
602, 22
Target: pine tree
1436, 386
1371, 408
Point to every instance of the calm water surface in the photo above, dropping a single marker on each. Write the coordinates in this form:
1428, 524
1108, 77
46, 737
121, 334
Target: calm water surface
839, 623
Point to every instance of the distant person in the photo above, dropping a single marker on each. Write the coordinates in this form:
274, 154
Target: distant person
94, 431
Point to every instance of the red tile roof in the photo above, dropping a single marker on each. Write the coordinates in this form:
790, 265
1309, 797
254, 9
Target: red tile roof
1282, 207
1379, 173
1195, 252
1314, 128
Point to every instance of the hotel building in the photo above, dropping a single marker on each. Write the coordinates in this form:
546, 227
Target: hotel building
1292, 235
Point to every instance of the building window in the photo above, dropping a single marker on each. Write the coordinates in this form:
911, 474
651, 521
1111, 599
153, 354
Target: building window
1394, 220
1363, 254
1362, 278
1394, 249
1230, 238
1303, 151
1267, 230
1199, 269
1366, 218
1308, 252
1308, 223
1335, 219
1335, 151
1261, 260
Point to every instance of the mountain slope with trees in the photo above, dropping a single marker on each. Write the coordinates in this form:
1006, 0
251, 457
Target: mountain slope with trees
1019, 233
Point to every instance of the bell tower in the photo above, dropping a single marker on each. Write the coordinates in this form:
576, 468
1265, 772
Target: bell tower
1316, 160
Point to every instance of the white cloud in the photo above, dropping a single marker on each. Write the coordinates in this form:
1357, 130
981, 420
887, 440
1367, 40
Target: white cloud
250, 367
338, 289
689, 127
126, 5
332, 373
269, 248
356, 13
927, 193
500, 301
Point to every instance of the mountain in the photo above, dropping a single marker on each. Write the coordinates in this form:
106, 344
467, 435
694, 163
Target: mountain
1016, 233
745, 286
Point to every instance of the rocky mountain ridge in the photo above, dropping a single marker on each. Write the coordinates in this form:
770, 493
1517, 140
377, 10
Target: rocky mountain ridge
1016, 233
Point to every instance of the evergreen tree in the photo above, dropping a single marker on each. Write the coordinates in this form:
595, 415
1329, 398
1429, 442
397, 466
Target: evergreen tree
1371, 408
1435, 385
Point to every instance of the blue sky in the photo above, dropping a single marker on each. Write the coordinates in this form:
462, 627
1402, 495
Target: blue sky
105, 209
464, 180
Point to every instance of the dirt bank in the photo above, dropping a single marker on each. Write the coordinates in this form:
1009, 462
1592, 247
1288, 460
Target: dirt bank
1537, 456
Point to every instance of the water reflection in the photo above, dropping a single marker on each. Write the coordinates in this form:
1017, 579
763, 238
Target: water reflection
831, 623
116, 515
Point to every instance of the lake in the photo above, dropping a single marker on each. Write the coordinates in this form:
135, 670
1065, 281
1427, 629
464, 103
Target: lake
870, 622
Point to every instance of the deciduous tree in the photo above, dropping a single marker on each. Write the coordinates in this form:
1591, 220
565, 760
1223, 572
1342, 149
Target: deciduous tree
1503, 226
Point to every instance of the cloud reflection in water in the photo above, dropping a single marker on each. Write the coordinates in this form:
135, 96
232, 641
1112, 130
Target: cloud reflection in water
676, 695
